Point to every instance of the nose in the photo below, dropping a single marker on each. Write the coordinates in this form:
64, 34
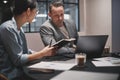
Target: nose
60, 17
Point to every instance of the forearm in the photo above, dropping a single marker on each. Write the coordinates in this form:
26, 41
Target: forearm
47, 51
35, 55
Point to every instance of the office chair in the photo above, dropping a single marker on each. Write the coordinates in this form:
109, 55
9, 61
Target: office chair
2, 77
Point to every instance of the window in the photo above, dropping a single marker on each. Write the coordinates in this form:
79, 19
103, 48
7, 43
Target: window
71, 12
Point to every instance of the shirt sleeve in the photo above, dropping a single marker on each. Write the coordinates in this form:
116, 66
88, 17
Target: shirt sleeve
12, 47
47, 35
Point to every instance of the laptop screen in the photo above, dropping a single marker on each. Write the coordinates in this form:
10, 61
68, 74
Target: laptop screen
92, 45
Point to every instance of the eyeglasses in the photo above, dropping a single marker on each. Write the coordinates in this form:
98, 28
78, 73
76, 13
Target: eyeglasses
37, 11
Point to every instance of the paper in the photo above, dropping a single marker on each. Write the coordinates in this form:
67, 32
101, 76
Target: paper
106, 62
106, 58
53, 65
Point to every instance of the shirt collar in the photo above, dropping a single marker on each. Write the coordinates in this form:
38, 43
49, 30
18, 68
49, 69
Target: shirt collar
15, 24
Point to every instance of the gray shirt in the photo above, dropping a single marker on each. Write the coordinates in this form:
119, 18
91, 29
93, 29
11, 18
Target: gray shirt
13, 49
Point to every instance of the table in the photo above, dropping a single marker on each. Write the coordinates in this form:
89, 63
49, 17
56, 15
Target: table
88, 67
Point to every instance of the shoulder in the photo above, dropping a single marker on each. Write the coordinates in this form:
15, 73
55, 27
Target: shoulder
8, 25
68, 21
47, 24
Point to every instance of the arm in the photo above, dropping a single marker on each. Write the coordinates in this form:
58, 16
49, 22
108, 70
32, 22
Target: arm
47, 33
12, 48
18, 56
47, 51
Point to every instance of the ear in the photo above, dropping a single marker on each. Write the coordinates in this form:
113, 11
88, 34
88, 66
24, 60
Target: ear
49, 14
28, 12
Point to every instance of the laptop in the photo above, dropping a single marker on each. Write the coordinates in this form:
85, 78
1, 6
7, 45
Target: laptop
92, 45
82, 75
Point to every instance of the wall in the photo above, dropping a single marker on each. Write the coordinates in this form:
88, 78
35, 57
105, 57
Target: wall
97, 18
34, 41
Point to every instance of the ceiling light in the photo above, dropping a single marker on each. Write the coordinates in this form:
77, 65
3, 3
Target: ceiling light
5, 1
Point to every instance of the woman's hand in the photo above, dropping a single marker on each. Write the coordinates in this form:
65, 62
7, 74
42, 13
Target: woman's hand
49, 51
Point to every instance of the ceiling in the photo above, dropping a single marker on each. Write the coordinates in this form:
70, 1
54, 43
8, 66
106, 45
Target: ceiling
5, 3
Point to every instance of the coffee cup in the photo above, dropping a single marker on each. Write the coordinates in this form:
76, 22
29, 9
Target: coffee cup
80, 59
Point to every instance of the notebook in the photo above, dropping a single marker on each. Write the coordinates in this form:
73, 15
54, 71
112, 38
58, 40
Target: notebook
92, 45
80, 75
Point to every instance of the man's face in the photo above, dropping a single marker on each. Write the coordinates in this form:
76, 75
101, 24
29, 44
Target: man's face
57, 15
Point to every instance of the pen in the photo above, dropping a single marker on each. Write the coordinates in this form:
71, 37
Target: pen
50, 43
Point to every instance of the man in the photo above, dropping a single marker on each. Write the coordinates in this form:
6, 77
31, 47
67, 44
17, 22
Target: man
57, 28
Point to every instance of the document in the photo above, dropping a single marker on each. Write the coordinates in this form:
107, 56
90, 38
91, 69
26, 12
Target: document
106, 58
63, 42
106, 62
52, 65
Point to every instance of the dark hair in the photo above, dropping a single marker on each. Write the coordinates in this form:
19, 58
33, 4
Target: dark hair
6, 14
55, 3
19, 6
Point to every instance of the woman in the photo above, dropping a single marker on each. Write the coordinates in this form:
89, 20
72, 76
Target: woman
14, 53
